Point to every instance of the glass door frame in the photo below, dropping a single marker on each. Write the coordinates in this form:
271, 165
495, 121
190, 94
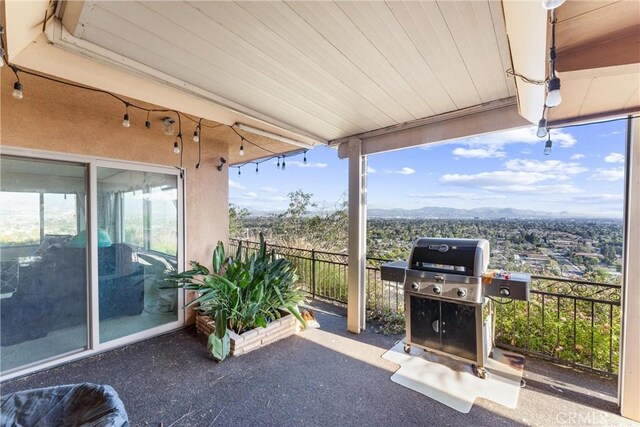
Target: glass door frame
93, 163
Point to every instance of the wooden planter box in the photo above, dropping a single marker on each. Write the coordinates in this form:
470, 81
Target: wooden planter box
284, 327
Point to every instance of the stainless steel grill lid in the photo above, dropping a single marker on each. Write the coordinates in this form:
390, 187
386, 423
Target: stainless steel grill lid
465, 257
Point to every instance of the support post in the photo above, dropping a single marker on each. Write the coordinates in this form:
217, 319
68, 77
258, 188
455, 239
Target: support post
629, 374
313, 273
357, 238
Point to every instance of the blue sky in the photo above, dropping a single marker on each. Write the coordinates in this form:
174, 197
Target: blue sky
582, 175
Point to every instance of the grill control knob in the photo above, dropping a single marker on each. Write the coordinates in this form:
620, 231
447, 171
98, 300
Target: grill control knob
437, 289
415, 286
462, 292
505, 292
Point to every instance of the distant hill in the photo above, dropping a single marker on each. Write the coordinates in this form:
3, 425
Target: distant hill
453, 213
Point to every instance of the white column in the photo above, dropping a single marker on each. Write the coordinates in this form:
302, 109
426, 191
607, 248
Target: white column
629, 375
357, 238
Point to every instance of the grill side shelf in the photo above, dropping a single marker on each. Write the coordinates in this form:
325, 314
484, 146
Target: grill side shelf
393, 271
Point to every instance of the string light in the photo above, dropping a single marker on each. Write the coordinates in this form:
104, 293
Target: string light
304, 159
552, 4
17, 90
547, 145
196, 134
241, 152
125, 120
257, 163
198, 130
542, 128
168, 122
553, 86
239, 172
553, 96
176, 145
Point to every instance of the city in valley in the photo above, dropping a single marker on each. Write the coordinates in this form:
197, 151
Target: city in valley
566, 247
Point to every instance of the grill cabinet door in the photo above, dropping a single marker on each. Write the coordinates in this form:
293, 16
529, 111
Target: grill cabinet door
459, 329
425, 314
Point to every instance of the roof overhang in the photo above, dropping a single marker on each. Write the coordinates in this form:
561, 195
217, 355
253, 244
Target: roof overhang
356, 69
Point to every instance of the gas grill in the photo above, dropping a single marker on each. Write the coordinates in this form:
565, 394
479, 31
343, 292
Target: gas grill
446, 291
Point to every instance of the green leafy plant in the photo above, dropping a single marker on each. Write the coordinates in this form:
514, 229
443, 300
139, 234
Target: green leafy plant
241, 292
389, 322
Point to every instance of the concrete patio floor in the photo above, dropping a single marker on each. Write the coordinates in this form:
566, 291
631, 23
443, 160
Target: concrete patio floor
318, 378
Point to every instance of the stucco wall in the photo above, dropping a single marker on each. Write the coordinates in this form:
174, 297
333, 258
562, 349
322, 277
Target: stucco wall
59, 118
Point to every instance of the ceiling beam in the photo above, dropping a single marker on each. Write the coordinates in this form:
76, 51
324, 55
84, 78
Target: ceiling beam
526, 24
447, 128
622, 49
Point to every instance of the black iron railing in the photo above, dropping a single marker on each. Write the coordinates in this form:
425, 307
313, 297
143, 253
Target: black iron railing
572, 321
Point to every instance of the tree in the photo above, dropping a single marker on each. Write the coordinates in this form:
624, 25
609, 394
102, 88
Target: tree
237, 217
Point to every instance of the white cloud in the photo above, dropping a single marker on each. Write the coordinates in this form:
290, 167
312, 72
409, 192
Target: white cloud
614, 174
498, 140
478, 153
300, 164
269, 189
552, 166
370, 169
549, 189
404, 171
495, 178
577, 156
249, 195
599, 198
456, 195
236, 185
513, 181
614, 158
612, 133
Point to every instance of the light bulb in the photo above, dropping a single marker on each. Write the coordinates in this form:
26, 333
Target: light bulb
256, 168
284, 165
553, 96
17, 90
552, 4
125, 120
239, 173
196, 136
241, 150
278, 165
304, 160
547, 146
176, 148
542, 128
167, 126
147, 124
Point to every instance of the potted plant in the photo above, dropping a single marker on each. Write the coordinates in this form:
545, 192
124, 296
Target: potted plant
241, 293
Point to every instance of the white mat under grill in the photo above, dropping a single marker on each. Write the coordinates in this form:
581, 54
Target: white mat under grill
453, 383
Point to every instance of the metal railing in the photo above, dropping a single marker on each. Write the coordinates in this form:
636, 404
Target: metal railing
572, 321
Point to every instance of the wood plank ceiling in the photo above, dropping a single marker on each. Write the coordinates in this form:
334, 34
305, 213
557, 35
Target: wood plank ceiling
333, 69
598, 45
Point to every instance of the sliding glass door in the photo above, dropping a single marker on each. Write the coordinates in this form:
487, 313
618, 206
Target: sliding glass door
84, 250
43, 267
137, 246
